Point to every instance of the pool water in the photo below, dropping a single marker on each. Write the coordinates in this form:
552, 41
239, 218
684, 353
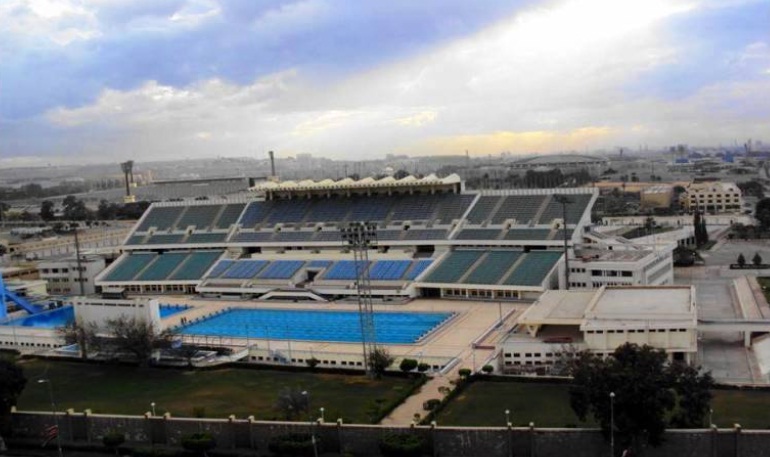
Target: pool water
60, 317
333, 326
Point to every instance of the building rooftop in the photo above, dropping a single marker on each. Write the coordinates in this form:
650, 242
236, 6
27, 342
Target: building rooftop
606, 255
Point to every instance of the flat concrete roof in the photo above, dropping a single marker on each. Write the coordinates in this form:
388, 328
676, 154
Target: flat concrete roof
558, 307
605, 255
643, 303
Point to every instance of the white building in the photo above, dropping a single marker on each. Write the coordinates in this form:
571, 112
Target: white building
713, 197
633, 266
63, 277
562, 322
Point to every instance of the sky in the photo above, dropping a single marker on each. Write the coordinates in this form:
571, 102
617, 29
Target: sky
107, 80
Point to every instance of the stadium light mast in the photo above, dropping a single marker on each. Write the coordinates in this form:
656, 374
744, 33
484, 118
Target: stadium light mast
128, 170
564, 200
360, 236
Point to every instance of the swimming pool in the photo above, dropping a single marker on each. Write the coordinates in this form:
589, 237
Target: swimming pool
332, 326
60, 317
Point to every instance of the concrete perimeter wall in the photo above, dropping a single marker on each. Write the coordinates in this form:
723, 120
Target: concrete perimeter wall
363, 439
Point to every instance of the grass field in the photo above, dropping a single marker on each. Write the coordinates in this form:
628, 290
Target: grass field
243, 392
547, 405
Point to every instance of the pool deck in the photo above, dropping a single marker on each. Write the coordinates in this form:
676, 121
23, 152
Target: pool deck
472, 320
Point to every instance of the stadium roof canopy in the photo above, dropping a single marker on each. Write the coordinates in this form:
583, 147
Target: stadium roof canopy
348, 183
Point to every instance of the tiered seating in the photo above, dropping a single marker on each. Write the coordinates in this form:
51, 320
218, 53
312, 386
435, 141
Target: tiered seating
206, 238
328, 210
319, 263
201, 216
292, 236
492, 267
414, 208
575, 209
454, 266
253, 237
244, 269
533, 268
417, 268
255, 213
229, 215
389, 270
478, 234
389, 235
344, 270
452, 207
130, 265
369, 209
483, 208
429, 234
328, 236
166, 238
196, 265
281, 269
523, 208
560, 234
136, 239
162, 266
287, 211
162, 217
527, 234
220, 268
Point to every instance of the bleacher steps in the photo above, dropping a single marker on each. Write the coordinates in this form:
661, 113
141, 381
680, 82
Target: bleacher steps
475, 264
541, 210
512, 268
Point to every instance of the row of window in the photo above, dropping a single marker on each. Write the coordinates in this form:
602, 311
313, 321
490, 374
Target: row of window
477, 293
651, 330
60, 270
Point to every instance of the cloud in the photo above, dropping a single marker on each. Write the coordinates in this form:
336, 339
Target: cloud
570, 75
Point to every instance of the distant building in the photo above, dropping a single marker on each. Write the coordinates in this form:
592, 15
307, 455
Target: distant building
63, 278
595, 268
659, 196
563, 162
713, 197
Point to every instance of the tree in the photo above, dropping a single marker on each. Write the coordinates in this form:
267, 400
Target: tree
762, 213
137, 337
741, 261
46, 210
85, 336
407, 365
12, 382
379, 361
757, 259
74, 209
400, 174
646, 391
701, 233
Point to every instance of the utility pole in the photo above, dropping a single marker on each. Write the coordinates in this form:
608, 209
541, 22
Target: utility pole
79, 263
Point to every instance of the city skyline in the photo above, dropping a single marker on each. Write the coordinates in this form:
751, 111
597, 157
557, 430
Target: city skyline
172, 79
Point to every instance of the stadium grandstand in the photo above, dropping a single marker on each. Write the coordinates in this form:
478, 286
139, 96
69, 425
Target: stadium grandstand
433, 239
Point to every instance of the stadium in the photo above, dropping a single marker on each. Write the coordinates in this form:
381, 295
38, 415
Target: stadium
272, 277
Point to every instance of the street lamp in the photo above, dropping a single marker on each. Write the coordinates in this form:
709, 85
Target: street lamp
152, 405
711, 418
612, 424
53, 409
321, 409
507, 417
306, 394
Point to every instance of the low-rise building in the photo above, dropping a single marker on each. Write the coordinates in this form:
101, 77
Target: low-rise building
632, 266
63, 277
563, 322
713, 197
660, 196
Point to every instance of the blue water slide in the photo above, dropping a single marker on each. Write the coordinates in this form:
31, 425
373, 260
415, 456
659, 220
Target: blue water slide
21, 302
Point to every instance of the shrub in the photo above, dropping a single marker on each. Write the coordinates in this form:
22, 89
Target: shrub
401, 445
199, 442
312, 362
293, 445
431, 404
407, 365
379, 361
464, 372
487, 369
423, 367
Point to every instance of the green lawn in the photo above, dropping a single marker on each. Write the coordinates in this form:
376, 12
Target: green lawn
243, 392
764, 282
484, 404
547, 405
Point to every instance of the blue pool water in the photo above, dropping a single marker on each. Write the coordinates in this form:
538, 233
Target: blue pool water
334, 326
59, 317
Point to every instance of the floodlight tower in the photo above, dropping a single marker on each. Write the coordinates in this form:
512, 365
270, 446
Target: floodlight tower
360, 236
128, 171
